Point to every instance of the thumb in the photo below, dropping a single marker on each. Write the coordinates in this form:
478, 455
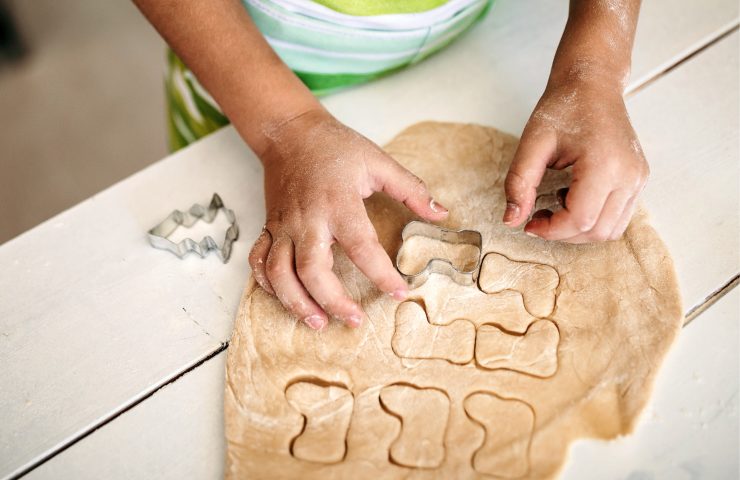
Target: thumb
405, 187
535, 150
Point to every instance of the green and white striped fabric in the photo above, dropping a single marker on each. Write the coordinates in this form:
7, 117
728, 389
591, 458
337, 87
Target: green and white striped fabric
330, 45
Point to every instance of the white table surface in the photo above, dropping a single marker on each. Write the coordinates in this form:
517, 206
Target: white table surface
93, 321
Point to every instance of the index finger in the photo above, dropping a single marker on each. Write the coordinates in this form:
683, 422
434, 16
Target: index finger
360, 242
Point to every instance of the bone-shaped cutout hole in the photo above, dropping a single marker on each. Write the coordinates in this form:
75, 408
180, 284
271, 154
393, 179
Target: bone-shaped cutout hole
535, 352
536, 282
423, 414
326, 410
418, 250
415, 338
508, 426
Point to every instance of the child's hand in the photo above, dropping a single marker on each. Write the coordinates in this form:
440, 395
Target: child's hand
317, 172
584, 124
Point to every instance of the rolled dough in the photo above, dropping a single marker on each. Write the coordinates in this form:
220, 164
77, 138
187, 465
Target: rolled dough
557, 342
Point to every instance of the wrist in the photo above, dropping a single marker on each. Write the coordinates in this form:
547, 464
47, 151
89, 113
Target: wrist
291, 132
590, 73
259, 129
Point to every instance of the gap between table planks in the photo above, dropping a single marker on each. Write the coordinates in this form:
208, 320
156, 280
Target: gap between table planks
206, 331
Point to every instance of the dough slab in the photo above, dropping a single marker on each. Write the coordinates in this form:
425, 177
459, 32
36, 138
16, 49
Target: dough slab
557, 342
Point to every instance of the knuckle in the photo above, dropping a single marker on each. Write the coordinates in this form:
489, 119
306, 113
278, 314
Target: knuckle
256, 257
418, 184
309, 271
513, 180
645, 170
253, 260
584, 224
258, 249
338, 305
305, 263
274, 269
644, 174
296, 308
386, 281
360, 248
516, 186
614, 167
638, 177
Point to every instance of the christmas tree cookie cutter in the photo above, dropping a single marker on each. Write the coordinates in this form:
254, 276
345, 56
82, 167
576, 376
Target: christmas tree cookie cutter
158, 235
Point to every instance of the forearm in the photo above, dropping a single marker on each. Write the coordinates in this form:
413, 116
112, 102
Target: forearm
597, 42
231, 59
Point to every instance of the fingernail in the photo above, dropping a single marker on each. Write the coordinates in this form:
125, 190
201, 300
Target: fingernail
354, 320
437, 207
512, 212
400, 294
531, 234
314, 321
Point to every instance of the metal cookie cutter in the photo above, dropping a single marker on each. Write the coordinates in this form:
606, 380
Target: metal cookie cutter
158, 235
442, 265
552, 201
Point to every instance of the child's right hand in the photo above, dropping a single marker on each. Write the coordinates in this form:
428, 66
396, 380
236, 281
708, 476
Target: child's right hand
317, 173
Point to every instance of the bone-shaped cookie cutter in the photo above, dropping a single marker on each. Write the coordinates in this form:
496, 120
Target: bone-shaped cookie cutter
552, 201
442, 265
158, 235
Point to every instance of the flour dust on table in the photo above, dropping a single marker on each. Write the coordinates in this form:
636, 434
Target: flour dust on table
556, 342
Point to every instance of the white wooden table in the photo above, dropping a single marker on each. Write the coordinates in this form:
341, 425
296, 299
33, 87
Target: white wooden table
112, 352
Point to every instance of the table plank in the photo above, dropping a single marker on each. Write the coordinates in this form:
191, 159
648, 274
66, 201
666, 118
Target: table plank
176, 434
92, 319
657, 24
688, 123
690, 427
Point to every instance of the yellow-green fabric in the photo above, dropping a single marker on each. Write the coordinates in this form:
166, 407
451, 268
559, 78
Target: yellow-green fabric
191, 113
380, 7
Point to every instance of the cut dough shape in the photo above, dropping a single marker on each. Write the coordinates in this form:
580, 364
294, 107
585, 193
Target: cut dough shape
326, 411
536, 282
617, 311
508, 426
445, 301
535, 352
423, 414
417, 251
416, 338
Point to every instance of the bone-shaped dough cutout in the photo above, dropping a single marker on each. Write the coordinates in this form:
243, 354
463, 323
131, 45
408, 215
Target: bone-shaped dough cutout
446, 301
417, 251
414, 337
423, 413
536, 282
535, 352
326, 410
508, 426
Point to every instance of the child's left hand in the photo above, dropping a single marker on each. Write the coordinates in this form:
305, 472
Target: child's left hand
583, 124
